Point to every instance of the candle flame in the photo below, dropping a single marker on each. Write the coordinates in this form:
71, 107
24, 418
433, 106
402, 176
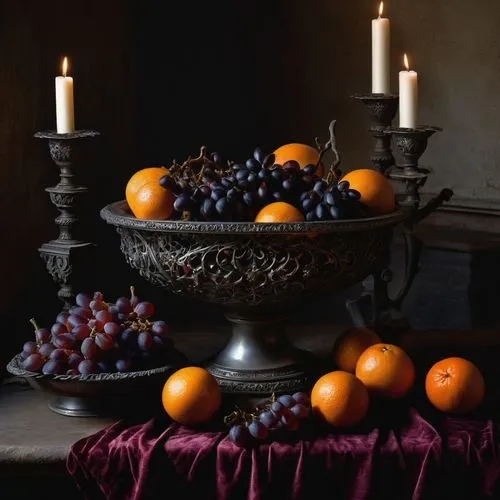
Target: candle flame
381, 9
65, 66
406, 63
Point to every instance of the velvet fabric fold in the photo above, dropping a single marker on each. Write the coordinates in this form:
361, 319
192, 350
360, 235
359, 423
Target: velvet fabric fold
397, 454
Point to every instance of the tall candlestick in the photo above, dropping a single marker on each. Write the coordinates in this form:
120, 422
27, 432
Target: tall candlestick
65, 113
408, 97
381, 69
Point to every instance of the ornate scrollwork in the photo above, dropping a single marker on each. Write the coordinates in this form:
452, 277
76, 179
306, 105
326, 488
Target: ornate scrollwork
277, 386
58, 266
60, 151
242, 270
63, 200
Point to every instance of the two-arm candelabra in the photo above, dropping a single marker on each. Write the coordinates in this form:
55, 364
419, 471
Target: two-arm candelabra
377, 306
59, 254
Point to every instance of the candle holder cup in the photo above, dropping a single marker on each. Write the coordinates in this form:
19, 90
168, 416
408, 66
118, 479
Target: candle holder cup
382, 109
59, 254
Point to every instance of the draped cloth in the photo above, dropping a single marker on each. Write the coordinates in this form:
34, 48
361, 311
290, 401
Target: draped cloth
396, 453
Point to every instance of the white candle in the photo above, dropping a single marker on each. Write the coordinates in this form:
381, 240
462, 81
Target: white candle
381, 69
65, 113
408, 97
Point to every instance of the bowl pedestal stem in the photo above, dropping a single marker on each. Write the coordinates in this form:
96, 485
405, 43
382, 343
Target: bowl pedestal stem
259, 360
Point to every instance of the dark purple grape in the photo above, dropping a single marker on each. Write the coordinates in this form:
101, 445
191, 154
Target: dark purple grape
123, 365
242, 175
74, 359
288, 184
62, 318
123, 305
59, 355
286, 400
74, 320
307, 182
88, 348
269, 160
24, 355
30, 347
334, 212
160, 328
233, 195
253, 165
84, 312
290, 421
53, 367
277, 408
98, 296
249, 198
252, 179
258, 155
353, 194
129, 337
207, 209
308, 205
239, 435
87, 367
309, 169
96, 306
57, 329
104, 341
144, 310
329, 198
205, 190
45, 350
226, 183
145, 341
162, 342
33, 362
263, 192
43, 335
300, 411
82, 300
95, 325
263, 175
104, 366
112, 328
311, 215
104, 317
258, 430
320, 186
81, 332
167, 182
268, 418
302, 398
291, 167
343, 186
237, 166
277, 173
222, 206
183, 202
322, 212
65, 341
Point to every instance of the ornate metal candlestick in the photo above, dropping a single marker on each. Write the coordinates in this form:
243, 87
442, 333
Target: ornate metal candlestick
382, 109
58, 254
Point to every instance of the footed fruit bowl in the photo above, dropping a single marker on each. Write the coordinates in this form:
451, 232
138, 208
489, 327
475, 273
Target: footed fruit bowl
258, 272
103, 394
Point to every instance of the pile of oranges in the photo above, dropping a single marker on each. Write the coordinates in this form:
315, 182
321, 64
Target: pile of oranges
370, 368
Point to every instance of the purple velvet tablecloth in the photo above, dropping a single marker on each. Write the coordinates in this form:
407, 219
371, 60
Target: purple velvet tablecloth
397, 454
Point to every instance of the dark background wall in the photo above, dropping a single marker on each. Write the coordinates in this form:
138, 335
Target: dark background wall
158, 79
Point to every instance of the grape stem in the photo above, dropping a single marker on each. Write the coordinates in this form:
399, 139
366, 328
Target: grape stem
33, 322
334, 172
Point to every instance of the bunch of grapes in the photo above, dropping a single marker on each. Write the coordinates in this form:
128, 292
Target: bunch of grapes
283, 413
237, 191
95, 336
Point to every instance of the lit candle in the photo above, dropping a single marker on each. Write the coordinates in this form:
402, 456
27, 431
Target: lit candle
408, 97
381, 70
65, 113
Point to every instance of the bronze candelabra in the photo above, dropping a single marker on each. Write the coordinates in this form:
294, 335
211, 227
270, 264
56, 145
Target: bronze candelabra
59, 254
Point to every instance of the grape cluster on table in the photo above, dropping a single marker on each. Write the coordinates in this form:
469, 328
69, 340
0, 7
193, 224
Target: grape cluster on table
237, 191
284, 413
95, 336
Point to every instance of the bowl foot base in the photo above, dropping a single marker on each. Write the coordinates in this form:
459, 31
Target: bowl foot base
258, 359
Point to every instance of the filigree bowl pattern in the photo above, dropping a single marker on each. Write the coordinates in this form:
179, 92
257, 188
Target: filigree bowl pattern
242, 265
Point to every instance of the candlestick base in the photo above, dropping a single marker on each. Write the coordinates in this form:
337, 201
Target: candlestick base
61, 254
382, 109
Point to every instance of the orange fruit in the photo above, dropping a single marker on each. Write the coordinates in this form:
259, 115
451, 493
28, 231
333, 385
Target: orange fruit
146, 198
340, 399
350, 345
301, 153
279, 211
386, 370
191, 396
455, 385
376, 191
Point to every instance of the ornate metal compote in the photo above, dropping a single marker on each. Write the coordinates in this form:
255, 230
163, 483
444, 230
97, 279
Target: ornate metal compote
258, 272
58, 254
